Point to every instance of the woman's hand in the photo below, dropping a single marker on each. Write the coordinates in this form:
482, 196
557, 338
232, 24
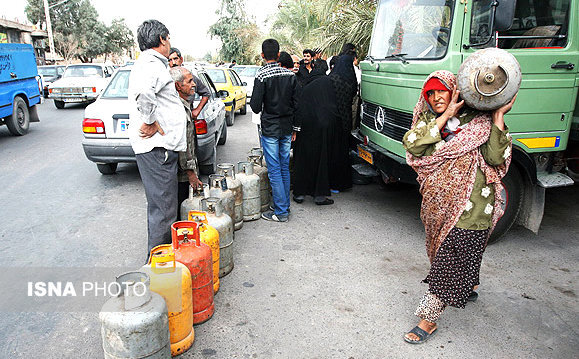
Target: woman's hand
499, 114
451, 111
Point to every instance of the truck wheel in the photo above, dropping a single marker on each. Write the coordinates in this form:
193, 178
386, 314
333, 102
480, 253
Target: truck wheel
513, 195
59, 104
230, 116
107, 168
19, 122
223, 137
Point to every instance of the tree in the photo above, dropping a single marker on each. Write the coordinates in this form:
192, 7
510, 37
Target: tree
76, 21
237, 33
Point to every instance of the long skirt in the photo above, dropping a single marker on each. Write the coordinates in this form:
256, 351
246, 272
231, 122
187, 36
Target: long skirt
454, 272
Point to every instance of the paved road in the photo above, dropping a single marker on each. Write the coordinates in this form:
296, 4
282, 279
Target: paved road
335, 282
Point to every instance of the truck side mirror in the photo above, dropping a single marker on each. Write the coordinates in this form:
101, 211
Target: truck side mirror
504, 15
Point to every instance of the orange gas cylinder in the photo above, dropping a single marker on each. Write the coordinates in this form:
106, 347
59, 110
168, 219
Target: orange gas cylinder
209, 236
172, 280
197, 257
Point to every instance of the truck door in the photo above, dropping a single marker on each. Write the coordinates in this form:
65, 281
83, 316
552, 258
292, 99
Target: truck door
541, 40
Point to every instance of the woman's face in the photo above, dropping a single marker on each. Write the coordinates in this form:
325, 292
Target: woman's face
438, 100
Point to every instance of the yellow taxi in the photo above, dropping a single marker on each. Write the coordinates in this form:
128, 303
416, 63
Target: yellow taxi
227, 79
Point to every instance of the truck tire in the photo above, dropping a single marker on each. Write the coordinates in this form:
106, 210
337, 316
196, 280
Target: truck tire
107, 168
513, 195
230, 116
59, 104
223, 137
19, 122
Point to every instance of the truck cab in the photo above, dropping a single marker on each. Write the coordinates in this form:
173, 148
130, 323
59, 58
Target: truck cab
20, 87
413, 38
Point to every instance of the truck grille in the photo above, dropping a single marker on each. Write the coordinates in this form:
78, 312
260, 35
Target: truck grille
395, 124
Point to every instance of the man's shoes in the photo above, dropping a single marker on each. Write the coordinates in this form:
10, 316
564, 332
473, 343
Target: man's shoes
270, 216
325, 202
299, 198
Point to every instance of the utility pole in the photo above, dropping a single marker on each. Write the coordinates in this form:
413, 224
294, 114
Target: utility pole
49, 29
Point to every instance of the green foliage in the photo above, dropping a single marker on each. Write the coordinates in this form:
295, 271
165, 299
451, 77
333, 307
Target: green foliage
237, 33
76, 22
326, 24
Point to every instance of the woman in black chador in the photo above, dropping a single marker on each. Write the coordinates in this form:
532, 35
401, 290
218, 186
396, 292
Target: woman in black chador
324, 119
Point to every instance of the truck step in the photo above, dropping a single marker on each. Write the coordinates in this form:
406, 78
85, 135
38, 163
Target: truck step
556, 179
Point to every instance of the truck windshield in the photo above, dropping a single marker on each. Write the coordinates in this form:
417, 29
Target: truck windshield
414, 29
83, 71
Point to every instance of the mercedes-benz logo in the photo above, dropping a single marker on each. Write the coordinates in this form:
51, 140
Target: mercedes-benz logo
379, 118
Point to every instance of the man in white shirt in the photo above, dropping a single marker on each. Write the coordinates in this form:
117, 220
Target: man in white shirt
157, 131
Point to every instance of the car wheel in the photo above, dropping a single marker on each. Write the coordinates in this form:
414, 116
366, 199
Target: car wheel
107, 168
243, 110
513, 195
19, 122
230, 116
223, 137
59, 104
211, 167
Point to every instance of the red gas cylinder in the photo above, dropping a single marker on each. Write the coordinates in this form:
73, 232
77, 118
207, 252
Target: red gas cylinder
196, 256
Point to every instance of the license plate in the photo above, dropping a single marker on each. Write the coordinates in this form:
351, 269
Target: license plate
77, 99
365, 155
124, 126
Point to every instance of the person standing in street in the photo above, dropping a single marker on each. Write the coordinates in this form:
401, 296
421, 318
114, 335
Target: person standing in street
274, 95
157, 131
175, 59
188, 169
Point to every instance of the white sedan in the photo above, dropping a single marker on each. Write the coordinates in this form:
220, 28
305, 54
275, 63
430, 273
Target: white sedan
80, 83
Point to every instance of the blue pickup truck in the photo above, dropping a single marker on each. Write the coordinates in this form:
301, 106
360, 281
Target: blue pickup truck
20, 87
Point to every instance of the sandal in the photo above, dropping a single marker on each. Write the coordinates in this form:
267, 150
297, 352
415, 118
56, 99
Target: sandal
422, 335
472, 297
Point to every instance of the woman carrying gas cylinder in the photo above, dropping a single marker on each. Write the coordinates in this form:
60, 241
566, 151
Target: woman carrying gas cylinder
460, 155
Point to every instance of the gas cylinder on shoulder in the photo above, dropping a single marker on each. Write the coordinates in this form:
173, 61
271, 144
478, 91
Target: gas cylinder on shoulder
209, 236
196, 255
228, 170
224, 225
218, 188
193, 202
172, 281
135, 324
260, 170
251, 191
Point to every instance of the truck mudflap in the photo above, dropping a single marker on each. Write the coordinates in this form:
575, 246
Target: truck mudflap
390, 164
33, 111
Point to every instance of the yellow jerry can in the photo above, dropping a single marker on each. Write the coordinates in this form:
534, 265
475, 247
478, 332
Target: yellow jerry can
209, 236
172, 280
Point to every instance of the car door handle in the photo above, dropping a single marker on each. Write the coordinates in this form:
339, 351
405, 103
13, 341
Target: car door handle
563, 65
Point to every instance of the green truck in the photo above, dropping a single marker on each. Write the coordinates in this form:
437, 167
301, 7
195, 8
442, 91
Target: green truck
412, 38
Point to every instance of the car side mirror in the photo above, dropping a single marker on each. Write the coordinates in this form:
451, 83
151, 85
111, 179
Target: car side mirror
244, 83
504, 15
223, 93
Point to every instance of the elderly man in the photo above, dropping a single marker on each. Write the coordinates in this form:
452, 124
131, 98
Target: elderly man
157, 131
187, 175
175, 59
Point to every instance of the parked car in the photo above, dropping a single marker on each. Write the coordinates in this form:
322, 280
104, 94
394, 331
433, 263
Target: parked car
106, 123
247, 74
49, 74
80, 83
227, 79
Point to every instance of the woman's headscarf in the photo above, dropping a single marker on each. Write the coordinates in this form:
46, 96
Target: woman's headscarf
447, 176
345, 68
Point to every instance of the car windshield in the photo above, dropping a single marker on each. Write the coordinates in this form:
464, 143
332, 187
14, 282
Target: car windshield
414, 29
119, 86
218, 76
249, 71
83, 71
47, 71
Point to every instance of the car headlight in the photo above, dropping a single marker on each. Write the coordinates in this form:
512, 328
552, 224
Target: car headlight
89, 89
55, 90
